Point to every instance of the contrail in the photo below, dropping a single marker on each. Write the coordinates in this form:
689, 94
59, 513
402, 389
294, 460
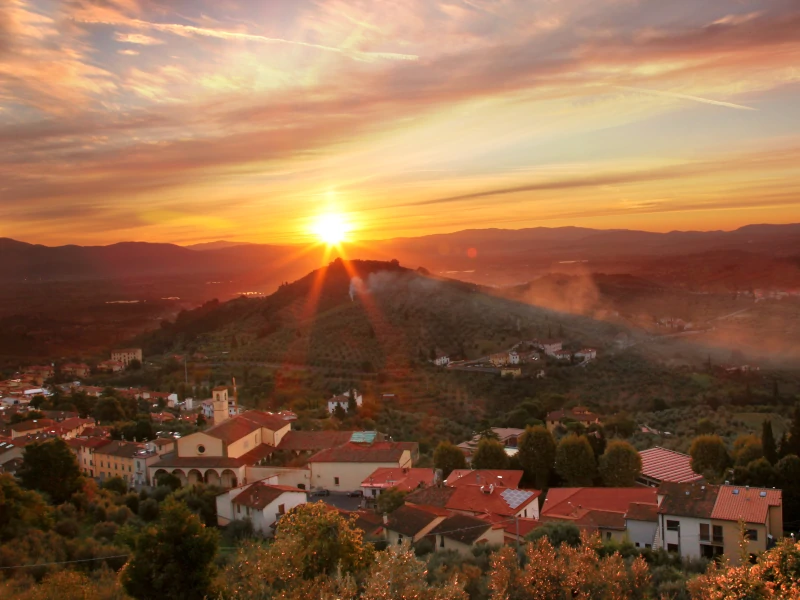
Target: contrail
684, 97
190, 30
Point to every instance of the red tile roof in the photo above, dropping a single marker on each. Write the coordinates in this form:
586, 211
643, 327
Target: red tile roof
32, 425
431, 496
500, 501
259, 495
410, 520
639, 511
667, 465
313, 441
258, 453
688, 499
462, 528
235, 428
172, 461
503, 478
120, 449
751, 505
568, 502
378, 452
403, 479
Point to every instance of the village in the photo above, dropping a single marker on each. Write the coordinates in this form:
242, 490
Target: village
376, 480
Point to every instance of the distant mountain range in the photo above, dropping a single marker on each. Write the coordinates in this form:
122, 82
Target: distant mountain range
751, 255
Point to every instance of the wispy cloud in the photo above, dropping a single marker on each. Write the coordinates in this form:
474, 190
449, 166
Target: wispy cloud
136, 38
683, 97
191, 31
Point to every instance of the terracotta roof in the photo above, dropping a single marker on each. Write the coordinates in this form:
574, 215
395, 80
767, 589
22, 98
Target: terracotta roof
500, 501
172, 461
259, 495
639, 511
403, 479
33, 424
235, 428
121, 449
667, 465
597, 519
751, 505
258, 453
163, 441
432, 496
688, 499
313, 440
367, 521
503, 478
571, 503
410, 520
378, 452
462, 528
91, 442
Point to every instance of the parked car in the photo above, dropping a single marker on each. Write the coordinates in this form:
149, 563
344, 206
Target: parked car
356, 494
322, 493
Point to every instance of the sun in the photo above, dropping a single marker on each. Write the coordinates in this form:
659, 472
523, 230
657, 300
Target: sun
331, 229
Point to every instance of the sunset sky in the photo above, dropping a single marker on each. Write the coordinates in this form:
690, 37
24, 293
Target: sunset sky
195, 120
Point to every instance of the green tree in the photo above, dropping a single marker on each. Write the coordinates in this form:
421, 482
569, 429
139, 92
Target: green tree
709, 455
339, 412
490, 454
202, 500
397, 573
21, 509
705, 427
557, 532
575, 461
620, 465
173, 558
768, 444
746, 449
116, 485
537, 454
448, 457
352, 405
50, 467
787, 477
108, 410
793, 439
323, 540
201, 420
390, 500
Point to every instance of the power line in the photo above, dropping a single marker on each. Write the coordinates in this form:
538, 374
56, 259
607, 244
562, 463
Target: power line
66, 562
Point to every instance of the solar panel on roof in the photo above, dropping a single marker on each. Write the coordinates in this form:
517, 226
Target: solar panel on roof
363, 437
515, 497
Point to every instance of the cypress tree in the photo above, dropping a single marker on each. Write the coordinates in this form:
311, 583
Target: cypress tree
768, 442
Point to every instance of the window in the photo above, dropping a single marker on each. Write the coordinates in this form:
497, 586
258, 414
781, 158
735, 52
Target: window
608, 535
648, 545
201, 449
441, 541
717, 531
673, 525
637, 544
672, 547
525, 512
335, 481
399, 538
281, 509
239, 509
705, 532
374, 492
752, 535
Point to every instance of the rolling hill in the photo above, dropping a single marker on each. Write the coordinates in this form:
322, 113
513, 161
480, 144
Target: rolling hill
368, 315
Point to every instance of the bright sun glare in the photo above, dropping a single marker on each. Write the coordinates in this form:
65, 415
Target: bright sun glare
331, 229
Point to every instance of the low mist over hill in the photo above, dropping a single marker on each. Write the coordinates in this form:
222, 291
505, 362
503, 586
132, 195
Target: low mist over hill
370, 315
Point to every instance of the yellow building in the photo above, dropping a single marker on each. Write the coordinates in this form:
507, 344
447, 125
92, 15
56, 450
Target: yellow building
117, 459
126, 355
